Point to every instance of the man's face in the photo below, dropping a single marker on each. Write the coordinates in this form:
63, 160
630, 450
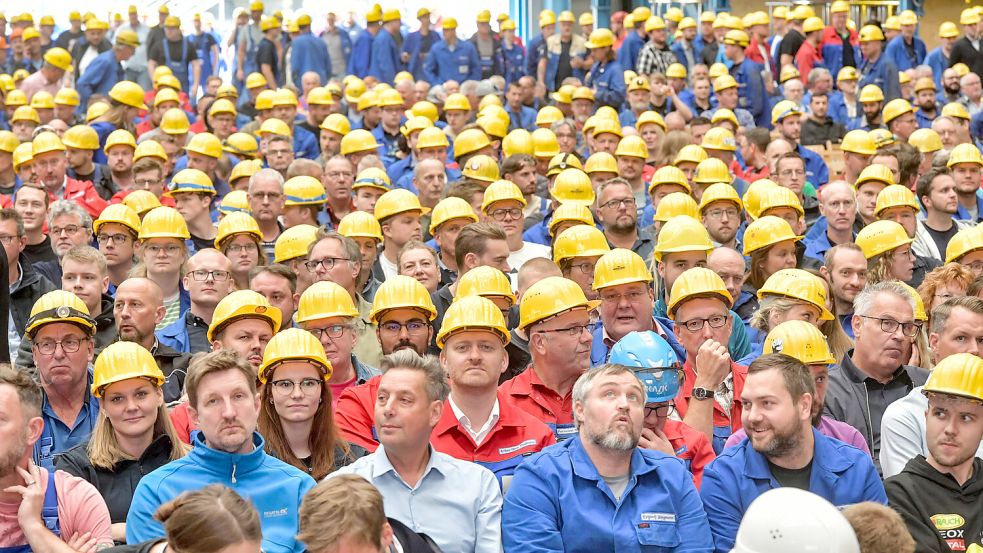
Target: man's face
67, 232
904, 216
192, 206
794, 90
606, 142
496, 254
404, 329
120, 158
446, 234
456, 118
967, 177
12, 244
266, 199
904, 125
772, 418
819, 106
330, 144
855, 163
953, 428
208, 292
279, 155
404, 415
50, 169
722, 220
792, 174
391, 116
403, 227
626, 308
612, 414
276, 290
202, 163
701, 89
942, 196
247, 337
891, 347
62, 369
848, 275
524, 178
926, 99
616, 208
867, 198
872, 110
226, 411
674, 264
430, 182
338, 178
962, 333
513, 96
728, 98
731, 269
970, 86
136, 312
474, 360
839, 207
565, 340
421, 264
950, 81
85, 281
630, 167
701, 308
366, 198
338, 348
13, 431
791, 128
506, 214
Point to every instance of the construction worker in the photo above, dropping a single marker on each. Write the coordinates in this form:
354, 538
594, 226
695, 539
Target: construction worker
877, 68
105, 70
452, 59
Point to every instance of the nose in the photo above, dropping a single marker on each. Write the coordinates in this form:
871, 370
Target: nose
228, 411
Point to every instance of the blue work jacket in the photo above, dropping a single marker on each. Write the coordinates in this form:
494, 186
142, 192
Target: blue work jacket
751, 90
630, 48
608, 81
413, 45
385, 58
939, 62
100, 75
309, 53
884, 74
460, 64
898, 53
816, 170
361, 58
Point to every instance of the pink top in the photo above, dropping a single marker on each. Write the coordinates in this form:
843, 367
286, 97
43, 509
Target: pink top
80, 509
336, 390
828, 427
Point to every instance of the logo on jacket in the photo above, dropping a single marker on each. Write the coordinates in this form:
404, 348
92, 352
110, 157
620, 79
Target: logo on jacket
947, 521
277, 513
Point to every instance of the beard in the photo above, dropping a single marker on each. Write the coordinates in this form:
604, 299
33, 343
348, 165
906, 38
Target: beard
779, 446
612, 438
951, 90
10, 458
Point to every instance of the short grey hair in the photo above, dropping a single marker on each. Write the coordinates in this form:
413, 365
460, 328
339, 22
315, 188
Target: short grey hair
863, 305
584, 384
616, 181
67, 207
816, 74
266, 174
435, 379
565, 122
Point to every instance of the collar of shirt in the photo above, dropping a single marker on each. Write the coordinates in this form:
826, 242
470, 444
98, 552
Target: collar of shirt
857, 375
20, 278
382, 465
480, 434
610, 342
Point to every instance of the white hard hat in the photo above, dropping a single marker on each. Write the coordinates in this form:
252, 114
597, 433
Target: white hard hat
783, 520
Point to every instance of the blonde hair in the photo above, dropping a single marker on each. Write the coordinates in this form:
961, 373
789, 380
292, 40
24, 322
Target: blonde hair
104, 449
777, 305
837, 338
879, 528
346, 505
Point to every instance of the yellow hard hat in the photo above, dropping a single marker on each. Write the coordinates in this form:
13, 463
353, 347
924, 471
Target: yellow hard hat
401, 292
481, 168
875, 172
920, 314
415, 124
58, 57
719, 138
15, 98
337, 123
166, 95
304, 190
963, 153
59, 306
847, 73
871, 33
620, 266
163, 222
682, 234
600, 38
895, 195
121, 361
81, 137
294, 242
544, 143
9, 141
222, 106
813, 24
396, 201
801, 340
236, 201
583, 93
500, 191
654, 23
234, 224
957, 110
670, 174
601, 162
293, 344
788, 73
570, 213
46, 142
549, 297
206, 144
674, 205
275, 127
141, 201
767, 231
880, 237
605, 125
580, 241
969, 16
960, 374
896, 108
25, 113
632, 146
470, 141
190, 181
242, 144
859, 142
469, 313
564, 94
22, 155
120, 214
150, 148
486, 282
324, 300
572, 186
243, 304
638, 82
373, 177
737, 37
120, 137
548, 115
457, 101
690, 153
448, 209
724, 114
426, 109
493, 126
518, 141
925, 83
676, 71
779, 197
67, 97
720, 192
358, 140
650, 118
926, 140
698, 282
723, 82
800, 285
871, 93
586, 19
227, 91
561, 162
908, 17
965, 241
128, 93
711, 171
784, 109
360, 224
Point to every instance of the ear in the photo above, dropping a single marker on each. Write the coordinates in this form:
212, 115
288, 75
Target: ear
505, 360
193, 416
91, 348
470, 260
105, 284
216, 345
824, 270
387, 536
436, 410
933, 343
660, 267
35, 426
159, 314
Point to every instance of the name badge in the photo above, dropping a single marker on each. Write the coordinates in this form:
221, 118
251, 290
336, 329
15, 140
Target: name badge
658, 517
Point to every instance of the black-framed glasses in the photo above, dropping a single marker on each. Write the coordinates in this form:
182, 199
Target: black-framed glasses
333, 331
114, 238
414, 328
285, 387
511, 212
890, 326
572, 331
6, 240
217, 276
68, 345
697, 324
327, 263
586, 268
67, 229
616, 204
239, 248
720, 213
660, 410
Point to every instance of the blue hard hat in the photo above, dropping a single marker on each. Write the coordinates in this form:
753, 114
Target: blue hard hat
654, 362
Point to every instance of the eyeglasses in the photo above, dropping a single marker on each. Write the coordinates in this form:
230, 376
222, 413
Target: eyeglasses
266, 195
146, 183
155, 249
617, 204
308, 386
413, 328
696, 325
239, 248
633, 297
890, 326
327, 263
6, 240
586, 268
114, 238
720, 213
943, 297
660, 411
217, 276
501, 214
333, 331
976, 266
572, 331
68, 345
67, 229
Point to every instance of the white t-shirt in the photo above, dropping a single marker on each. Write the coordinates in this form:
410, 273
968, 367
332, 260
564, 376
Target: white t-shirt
529, 250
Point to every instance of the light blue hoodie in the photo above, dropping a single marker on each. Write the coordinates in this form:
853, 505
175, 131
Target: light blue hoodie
274, 487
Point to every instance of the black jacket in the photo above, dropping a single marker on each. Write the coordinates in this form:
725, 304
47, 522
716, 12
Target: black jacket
32, 286
815, 133
963, 51
4, 321
940, 514
174, 365
115, 486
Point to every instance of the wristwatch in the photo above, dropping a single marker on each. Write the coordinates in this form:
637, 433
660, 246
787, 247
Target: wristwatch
702, 393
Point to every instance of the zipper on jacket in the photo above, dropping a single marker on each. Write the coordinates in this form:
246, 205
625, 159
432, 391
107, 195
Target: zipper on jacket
234, 473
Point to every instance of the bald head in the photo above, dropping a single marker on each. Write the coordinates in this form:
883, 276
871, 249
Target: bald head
142, 287
535, 270
675, 121
137, 309
730, 265
209, 259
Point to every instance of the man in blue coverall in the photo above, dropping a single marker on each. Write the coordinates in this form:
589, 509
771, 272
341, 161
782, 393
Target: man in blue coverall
782, 450
105, 70
386, 60
452, 59
747, 73
308, 53
606, 75
361, 58
598, 491
877, 68
417, 45
906, 50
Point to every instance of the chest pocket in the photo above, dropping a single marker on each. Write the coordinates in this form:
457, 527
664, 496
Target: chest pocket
657, 536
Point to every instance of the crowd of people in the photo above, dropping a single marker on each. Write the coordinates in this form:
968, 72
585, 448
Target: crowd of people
658, 283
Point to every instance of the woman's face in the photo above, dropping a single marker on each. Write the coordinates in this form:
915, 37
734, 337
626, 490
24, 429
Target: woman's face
801, 311
780, 256
295, 388
945, 292
163, 256
420, 264
132, 406
652, 135
243, 251
902, 263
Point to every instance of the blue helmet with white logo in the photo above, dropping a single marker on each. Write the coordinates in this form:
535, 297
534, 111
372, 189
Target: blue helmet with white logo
654, 362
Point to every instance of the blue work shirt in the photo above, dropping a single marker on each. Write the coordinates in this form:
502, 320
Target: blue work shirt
306, 144
559, 502
57, 436
629, 50
898, 53
816, 170
939, 62
406, 181
100, 75
535, 47
608, 81
513, 63
309, 53
837, 111
385, 58
525, 119
458, 63
884, 74
680, 51
599, 349
414, 46
388, 146
361, 58
751, 90
841, 474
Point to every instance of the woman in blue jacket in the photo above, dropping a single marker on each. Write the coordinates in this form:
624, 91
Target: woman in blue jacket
606, 76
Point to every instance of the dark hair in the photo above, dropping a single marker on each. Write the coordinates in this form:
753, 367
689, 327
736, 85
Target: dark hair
759, 136
209, 520
797, 377
924, 186
909, 159
515, 162
279, 270
819, 95
474, 238
975, 287
28, 391
699, 120
789, 155
11, 214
